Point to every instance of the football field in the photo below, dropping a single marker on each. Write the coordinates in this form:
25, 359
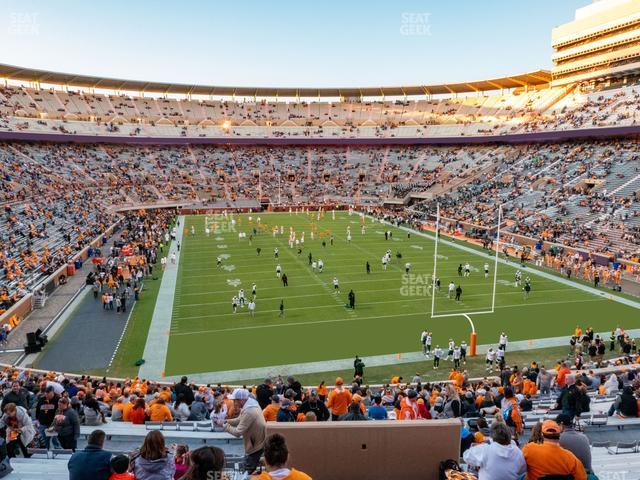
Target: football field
391, 308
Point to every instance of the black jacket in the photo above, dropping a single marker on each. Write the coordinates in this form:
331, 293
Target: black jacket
46, 410
263, 395
70, 426
183, 388
296, 387
319, 408
628, 405
573, 401
21, 399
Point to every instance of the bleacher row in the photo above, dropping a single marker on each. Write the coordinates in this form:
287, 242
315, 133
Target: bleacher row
507, 112
70, 105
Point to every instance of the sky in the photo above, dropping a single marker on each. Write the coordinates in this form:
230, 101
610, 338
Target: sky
323, 43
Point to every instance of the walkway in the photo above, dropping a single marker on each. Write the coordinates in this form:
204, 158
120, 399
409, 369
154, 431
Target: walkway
87, 339
55, 304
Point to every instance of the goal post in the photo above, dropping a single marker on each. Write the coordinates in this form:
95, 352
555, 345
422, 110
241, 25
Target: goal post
467, 314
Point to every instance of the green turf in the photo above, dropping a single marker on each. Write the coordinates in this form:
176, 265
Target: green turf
207, 336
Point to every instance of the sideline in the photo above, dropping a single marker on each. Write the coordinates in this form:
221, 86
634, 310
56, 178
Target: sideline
371, 361
157, 344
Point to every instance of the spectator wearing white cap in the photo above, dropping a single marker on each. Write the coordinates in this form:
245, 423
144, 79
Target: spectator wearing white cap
250, 425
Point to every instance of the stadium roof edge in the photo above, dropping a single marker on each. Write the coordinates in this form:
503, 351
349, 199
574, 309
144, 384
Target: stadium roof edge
11, 72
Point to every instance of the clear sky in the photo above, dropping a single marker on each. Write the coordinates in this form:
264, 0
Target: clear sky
284, 43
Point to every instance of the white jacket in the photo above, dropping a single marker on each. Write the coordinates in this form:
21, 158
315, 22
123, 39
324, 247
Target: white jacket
496, 461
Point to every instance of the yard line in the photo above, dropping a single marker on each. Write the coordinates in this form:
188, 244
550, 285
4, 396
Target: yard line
278, 325
372, 280
403, 300
262, 299
220, 270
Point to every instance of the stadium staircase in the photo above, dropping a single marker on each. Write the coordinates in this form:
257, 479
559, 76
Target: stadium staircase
555, 98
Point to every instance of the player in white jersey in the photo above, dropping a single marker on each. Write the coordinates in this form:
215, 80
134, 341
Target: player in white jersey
452, 346
407, 267
278, 270
437, 355
234, 304
314, 265
457, 354
467, 269
320, 265
518, 278
423, 342
463, 352
336, 285
253, 290
241, 297
252, 307
486, 270
275, 252
218, 261
193, 230
384, 262
500, 358
504, 339
490, 359
452, 290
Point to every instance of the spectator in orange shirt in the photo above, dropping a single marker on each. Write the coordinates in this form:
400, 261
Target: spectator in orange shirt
561, 378
159, 412
549, 458
137, 414
270, 413
323, 393
339, 400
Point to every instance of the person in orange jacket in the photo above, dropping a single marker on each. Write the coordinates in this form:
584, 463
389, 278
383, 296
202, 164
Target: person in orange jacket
323, 393
339, 400
409, 406
270, 412
549, 458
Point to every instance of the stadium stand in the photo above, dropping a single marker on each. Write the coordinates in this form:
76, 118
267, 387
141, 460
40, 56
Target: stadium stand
90, 164
602, 399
